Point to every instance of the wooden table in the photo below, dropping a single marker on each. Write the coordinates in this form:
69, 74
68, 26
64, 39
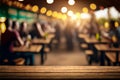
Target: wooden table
51, 36
93, 40
41, 41
102, 48
32, 48
83, 35
59, 72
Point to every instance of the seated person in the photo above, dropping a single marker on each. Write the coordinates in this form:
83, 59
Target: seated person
7, 40
29, 57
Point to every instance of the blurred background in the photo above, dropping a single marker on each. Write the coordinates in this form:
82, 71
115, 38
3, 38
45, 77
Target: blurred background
66, 19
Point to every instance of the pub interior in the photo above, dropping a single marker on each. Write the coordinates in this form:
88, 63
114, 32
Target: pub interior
60, 32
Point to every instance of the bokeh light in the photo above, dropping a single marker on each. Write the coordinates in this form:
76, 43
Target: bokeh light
35, 8
50, 1
85, 10
49, 13
43, 10
93, 6
71, 2
63, 9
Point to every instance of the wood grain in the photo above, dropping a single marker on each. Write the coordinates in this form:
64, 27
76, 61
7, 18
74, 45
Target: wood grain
56, 72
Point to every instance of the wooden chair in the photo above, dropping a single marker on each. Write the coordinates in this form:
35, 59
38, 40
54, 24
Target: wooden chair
84, 46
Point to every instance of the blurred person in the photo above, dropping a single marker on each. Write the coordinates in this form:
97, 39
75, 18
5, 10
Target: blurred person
29, 57
57, 34
7, 40
69, 35
23, 30
114, 34
93, 27
37, 31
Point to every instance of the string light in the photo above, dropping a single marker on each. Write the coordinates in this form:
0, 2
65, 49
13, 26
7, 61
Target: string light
35, 8
93, 6
43, 10
50, 1
85, 10
71, 2
49, 13
63, 9
28, 7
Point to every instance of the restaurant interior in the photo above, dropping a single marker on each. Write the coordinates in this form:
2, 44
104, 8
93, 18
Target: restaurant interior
60, 32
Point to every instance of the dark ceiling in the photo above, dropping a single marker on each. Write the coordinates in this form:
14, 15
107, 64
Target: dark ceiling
79, 4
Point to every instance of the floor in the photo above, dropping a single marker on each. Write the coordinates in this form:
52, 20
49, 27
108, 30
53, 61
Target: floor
63, 57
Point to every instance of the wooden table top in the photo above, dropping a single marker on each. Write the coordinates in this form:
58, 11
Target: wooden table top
41, 41
59, 72
83, 35
50, 36
92, 39
104, 47
33, 48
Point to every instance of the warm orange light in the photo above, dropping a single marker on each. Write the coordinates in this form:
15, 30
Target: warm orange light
93, 6
116, 24
35, 8
10, 3
49, 13
28, 7
106, 25
2, 27
43, 10
21, 5
85, 10
64, 16
59, 15
54, 14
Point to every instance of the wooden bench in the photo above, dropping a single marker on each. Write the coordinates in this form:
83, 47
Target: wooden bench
89, 54
84, 46
18, 61
111, 58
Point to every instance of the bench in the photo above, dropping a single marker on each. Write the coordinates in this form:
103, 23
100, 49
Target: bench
84, 46
89, 54
18, 61
111, 58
